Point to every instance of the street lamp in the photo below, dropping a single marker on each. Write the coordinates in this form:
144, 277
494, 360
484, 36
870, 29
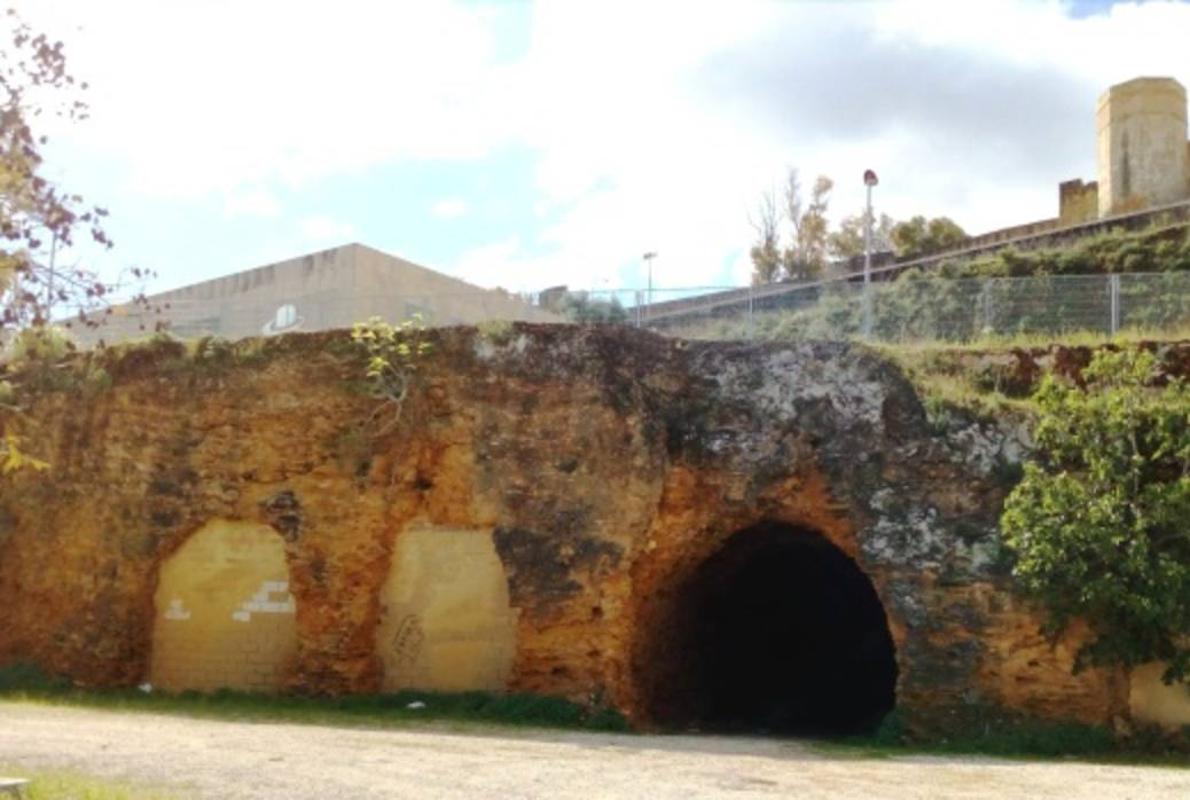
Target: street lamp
870, 180
648, 257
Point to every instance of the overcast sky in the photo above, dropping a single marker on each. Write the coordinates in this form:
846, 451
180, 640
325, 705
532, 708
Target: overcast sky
529, 145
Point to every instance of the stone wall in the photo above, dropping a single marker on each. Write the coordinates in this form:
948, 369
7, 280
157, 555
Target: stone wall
1077, 202
1142, 145
530, 522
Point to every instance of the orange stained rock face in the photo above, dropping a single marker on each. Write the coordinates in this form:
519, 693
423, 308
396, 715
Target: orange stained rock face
529, 526
1025, 669
1150, 699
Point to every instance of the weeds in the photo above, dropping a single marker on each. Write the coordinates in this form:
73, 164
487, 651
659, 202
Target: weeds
24, 682
55, 784
990, 733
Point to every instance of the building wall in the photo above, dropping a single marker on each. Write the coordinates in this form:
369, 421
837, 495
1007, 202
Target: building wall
326, 290
1142, 145
1077, 202
395, 292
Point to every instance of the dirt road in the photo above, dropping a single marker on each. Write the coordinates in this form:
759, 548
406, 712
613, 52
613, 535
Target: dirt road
211, 759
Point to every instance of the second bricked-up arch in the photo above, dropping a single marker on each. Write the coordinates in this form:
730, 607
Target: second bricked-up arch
446, 621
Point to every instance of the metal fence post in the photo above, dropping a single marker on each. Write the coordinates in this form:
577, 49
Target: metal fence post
751, 315
866, 325
1113, 290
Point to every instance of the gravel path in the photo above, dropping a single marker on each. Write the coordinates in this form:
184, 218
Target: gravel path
212, 759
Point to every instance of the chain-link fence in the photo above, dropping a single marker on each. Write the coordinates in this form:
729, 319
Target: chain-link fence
911, 309
935, 309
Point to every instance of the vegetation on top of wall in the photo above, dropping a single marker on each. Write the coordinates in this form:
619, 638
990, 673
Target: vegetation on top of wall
1161, 248
951, 303
37, 355
923, 307
948, 384
394, 353
584, 308
1099, 521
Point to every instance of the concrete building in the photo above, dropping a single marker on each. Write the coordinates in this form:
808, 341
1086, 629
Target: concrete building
329, 289
1143, 153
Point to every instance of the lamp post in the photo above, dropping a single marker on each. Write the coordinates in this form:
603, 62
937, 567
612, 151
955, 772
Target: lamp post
870, 180
648, 257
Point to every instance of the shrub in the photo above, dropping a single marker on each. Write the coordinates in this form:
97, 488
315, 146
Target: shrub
1099, 522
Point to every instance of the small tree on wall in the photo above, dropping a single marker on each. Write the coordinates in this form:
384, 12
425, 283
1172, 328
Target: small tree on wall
393, 354
1101, 521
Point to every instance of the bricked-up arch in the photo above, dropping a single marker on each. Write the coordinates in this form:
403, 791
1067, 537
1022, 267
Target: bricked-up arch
777, 631
446, 622
224, 615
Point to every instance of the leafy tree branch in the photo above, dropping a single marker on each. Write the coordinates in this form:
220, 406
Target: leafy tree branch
1101, 521
393, 355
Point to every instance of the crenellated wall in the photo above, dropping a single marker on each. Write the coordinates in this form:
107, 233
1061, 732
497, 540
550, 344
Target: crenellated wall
528, 525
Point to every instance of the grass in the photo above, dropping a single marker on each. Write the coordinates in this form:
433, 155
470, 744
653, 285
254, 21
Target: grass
46, 784
1033, 341
1017, 739
946, 384
1011, 748
27, 684
466, 710
767, 326
959, 377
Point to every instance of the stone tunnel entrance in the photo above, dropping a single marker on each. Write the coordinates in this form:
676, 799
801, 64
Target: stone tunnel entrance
779, 632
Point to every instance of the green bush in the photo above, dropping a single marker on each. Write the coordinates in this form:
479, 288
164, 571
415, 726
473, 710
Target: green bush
1100, 522
29, 677
48, 344
1159, 249
1035, 739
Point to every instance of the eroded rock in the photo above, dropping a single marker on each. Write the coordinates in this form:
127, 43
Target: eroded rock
607, 465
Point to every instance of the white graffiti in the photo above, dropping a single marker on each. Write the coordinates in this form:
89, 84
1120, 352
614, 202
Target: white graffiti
177, 610
265, 602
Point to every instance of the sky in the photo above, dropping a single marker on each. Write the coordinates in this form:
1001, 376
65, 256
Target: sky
528, 145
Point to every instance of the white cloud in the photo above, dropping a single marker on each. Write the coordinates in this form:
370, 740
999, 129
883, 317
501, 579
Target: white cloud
323, 229
639, 146
635, 155
449, 208
256, 202
215, 95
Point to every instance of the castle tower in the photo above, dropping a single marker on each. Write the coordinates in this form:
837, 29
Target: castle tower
1143, 158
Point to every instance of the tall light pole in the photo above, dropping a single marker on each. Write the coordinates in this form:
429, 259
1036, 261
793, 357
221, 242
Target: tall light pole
648, 257
870, 180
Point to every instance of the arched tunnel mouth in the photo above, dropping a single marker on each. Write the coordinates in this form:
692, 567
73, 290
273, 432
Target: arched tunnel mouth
777, 632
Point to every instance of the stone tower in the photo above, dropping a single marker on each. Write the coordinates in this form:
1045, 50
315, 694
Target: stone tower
1143, 159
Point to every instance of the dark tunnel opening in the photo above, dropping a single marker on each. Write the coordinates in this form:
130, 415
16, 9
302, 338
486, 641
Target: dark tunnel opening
778, 632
